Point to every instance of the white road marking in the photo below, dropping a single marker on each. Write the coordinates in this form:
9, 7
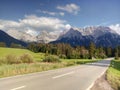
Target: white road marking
18, 88
62, 75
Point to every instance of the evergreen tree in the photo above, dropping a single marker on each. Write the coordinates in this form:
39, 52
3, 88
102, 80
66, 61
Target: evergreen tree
2, 44
91, 50
116, 53
109, 52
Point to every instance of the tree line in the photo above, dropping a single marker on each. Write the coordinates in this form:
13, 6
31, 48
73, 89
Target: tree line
67, 51
78, 52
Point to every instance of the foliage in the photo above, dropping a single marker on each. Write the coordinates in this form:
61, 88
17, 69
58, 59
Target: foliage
2, 44
26, 58
12, 59
13, 45
113, 74
23, 68
79, 52
51, 58
18, 52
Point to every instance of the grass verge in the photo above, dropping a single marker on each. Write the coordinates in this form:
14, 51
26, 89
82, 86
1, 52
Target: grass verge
17, 69
113, 74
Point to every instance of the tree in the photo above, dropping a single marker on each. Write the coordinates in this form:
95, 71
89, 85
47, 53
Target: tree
101, 52
109, 52
13, 45
91, 49
2, 44
116, 53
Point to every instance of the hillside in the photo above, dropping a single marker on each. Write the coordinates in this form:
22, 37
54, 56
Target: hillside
4, 37
101, 36
18, 52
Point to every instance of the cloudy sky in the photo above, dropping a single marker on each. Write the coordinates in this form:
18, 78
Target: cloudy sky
33, 16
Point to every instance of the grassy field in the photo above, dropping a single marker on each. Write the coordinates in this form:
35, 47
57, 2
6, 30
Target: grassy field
23, 68
14, 51
113, 74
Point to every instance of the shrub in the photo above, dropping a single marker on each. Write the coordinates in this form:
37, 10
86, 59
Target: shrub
62, 56
26, 58
51, 58
12, 59
2, 61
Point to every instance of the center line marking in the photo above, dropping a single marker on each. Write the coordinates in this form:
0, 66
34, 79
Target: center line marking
63, 75
18, 88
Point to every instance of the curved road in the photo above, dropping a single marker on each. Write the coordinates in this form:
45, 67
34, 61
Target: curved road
71, 78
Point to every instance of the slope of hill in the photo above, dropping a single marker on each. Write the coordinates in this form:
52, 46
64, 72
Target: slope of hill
4, 37
6, 51
101, 36
23, 36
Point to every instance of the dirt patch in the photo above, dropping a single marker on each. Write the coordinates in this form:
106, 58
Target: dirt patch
101, 84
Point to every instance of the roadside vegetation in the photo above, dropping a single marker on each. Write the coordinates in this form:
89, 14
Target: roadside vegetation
113, 74
41, 57
22, 61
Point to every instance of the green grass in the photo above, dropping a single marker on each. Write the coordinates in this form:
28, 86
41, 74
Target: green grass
18, 69
14, 51
38, 66
113, 74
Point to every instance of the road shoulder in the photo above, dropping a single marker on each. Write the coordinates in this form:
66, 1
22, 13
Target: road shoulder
101, 84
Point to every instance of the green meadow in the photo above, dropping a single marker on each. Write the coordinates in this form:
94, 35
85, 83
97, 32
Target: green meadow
113, 74
17, 52
37, 66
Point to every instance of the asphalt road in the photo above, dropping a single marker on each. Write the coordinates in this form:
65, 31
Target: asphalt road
71, 78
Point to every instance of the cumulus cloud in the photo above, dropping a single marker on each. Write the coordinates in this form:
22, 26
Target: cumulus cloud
33, 24
51, 13
116, 28
70, 8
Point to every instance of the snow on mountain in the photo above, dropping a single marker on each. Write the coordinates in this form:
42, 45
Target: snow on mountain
81, 33
101, 36
46, 37
22, 36
116, 28
94, 31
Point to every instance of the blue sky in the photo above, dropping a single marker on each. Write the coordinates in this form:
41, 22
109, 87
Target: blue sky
77, 13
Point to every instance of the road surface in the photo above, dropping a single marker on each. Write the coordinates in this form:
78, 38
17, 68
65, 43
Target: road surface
79, 77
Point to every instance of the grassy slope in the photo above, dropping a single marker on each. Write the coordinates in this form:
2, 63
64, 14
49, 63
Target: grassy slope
113, 74
16, 69
18, 52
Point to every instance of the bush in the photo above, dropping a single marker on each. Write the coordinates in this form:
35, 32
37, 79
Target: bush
26, 58
62, 56
12, 59
2, 61
51, 58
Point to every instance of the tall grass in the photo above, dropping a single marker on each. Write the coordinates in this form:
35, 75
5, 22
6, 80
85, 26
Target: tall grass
113, 74
23, 68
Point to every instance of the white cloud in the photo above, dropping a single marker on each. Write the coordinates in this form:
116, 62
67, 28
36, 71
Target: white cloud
116, 28
51, 13
62, 13
71, 8
33, 24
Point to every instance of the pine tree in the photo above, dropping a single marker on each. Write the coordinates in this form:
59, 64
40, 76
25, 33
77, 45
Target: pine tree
109, 52
91, 50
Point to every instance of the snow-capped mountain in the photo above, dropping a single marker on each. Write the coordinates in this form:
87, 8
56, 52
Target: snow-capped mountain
42, 37
23, 36
95, 31
46, 37
4, 37
101, 36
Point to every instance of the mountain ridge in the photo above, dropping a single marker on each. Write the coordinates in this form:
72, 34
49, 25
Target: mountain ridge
4, 37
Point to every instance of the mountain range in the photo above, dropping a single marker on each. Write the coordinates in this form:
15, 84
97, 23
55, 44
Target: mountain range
100, 35
4, 37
